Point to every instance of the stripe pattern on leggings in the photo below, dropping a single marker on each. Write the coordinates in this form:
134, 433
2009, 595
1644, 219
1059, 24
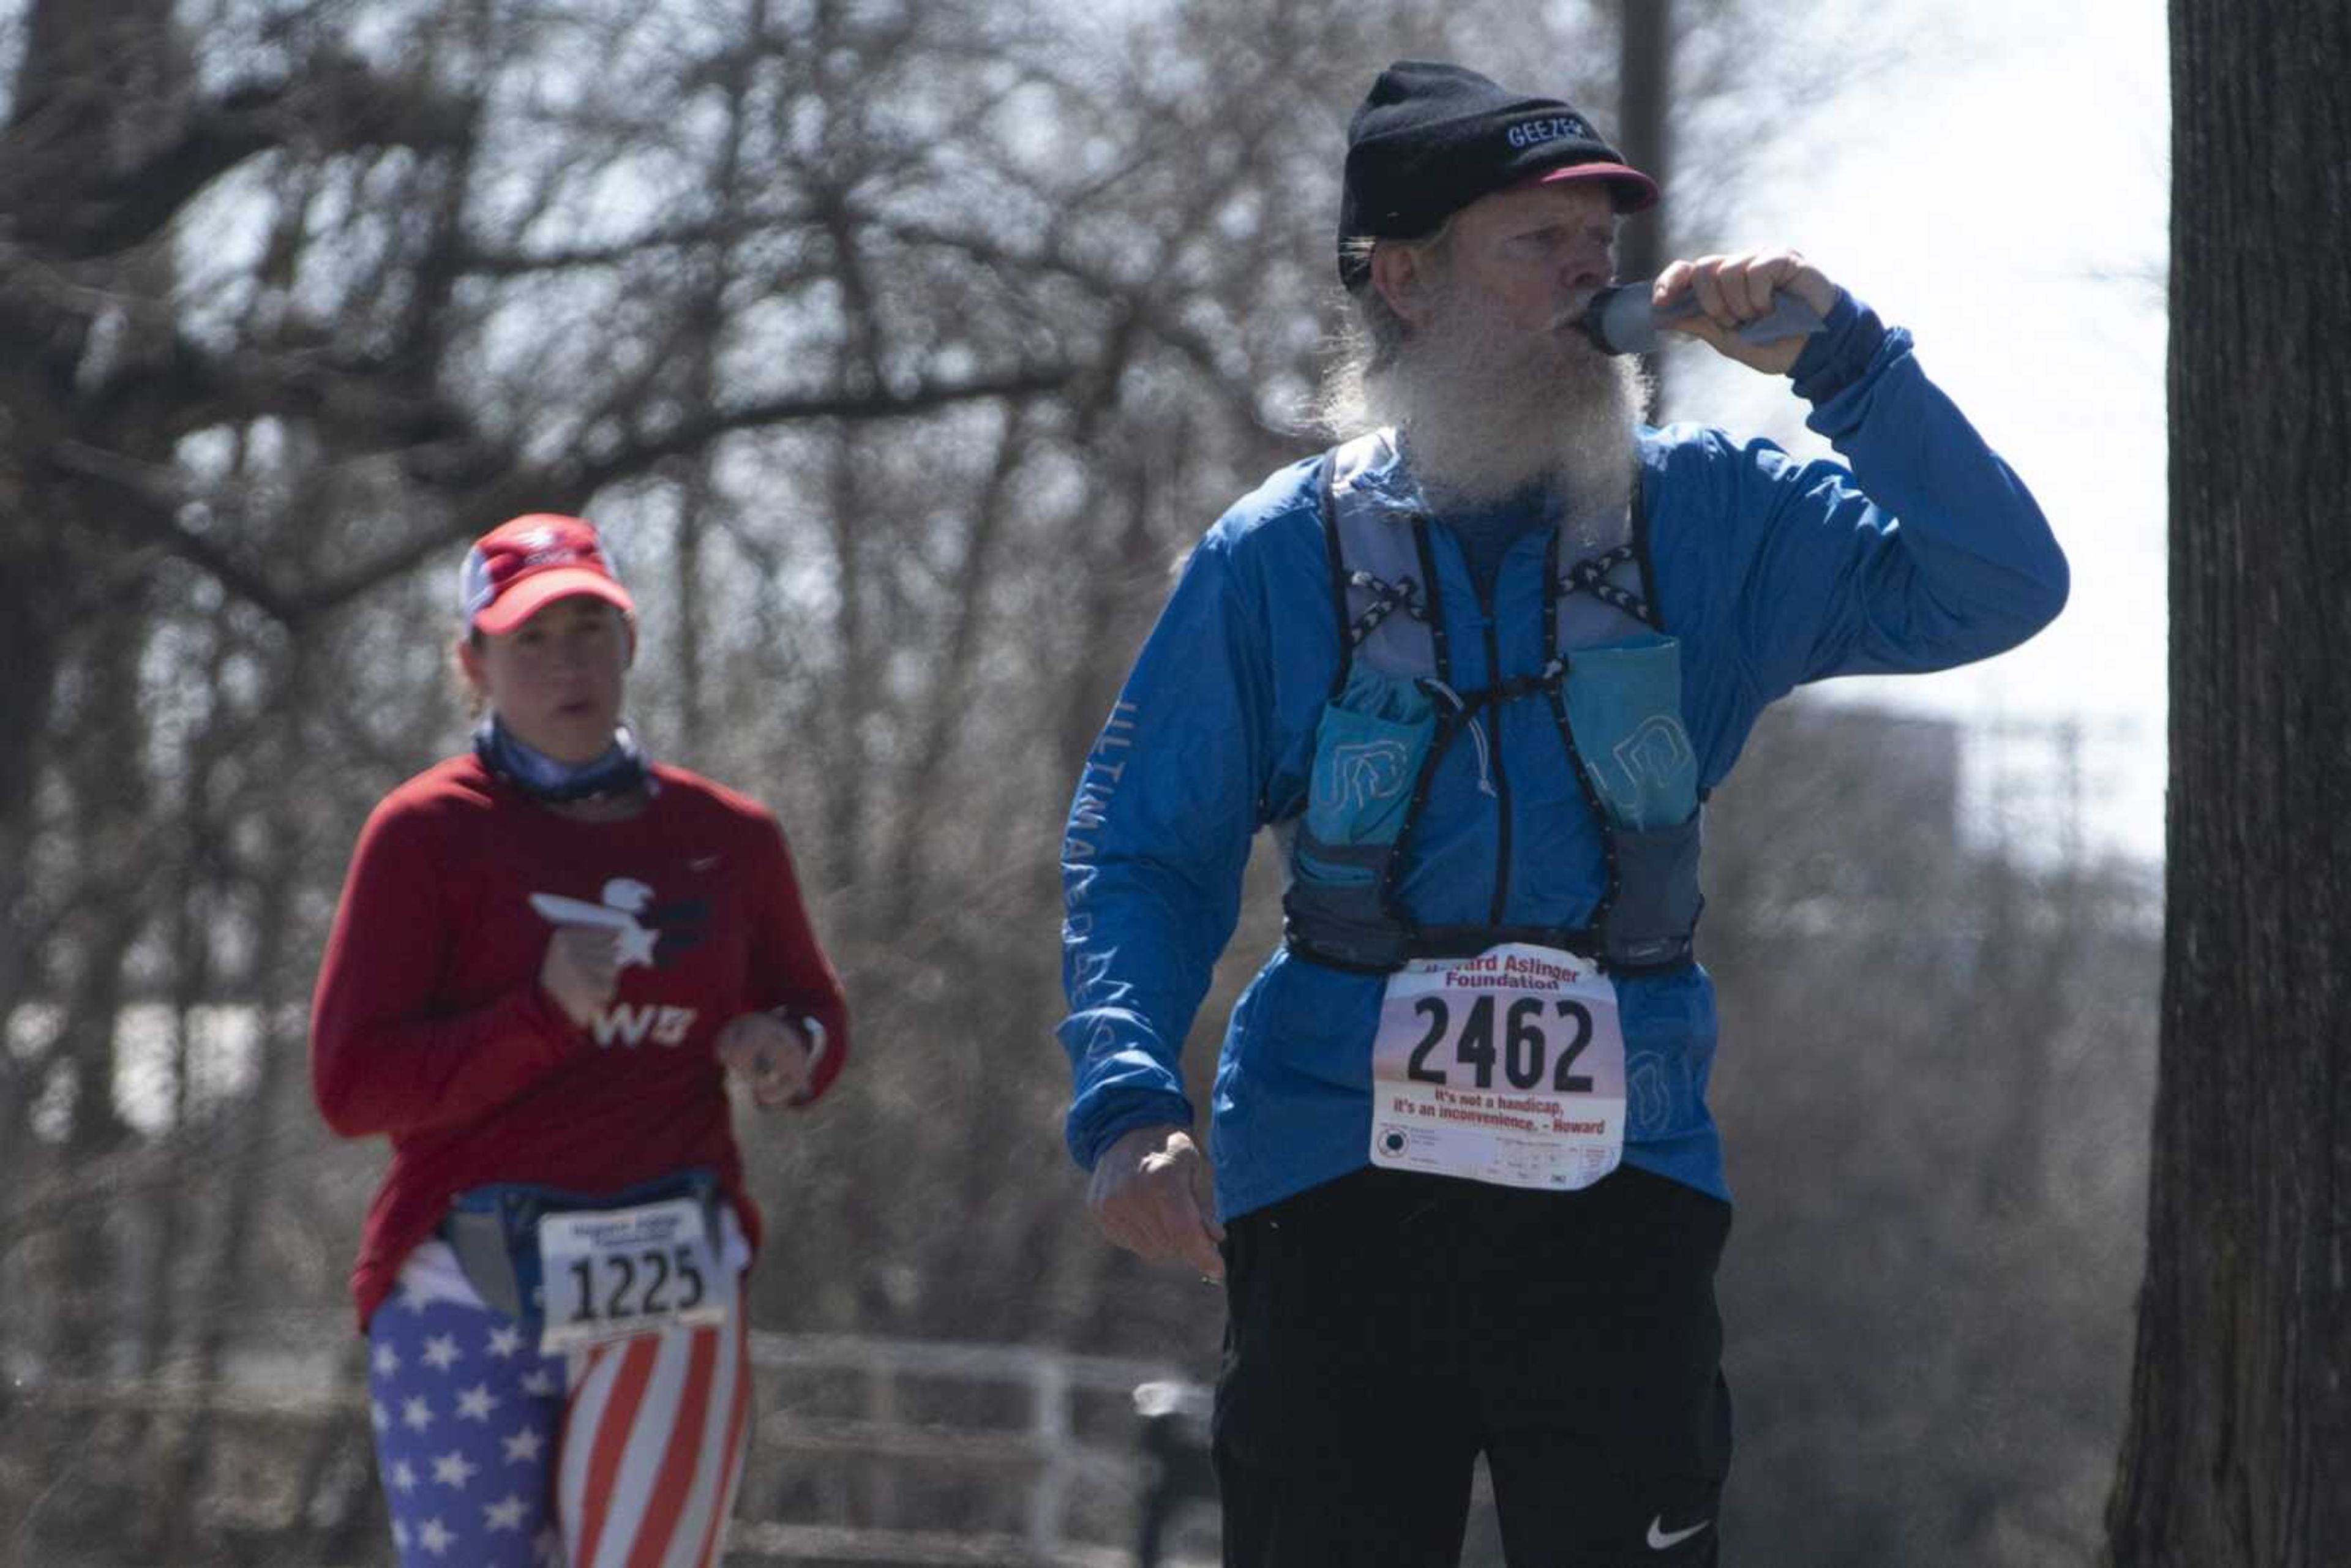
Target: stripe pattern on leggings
653, 1448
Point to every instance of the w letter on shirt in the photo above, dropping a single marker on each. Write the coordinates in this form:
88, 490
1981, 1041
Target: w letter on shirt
625, 1024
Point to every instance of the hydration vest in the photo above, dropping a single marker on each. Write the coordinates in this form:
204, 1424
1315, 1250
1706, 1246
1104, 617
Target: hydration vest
1611, 687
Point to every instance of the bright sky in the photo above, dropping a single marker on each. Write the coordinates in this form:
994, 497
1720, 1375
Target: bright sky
2004, 194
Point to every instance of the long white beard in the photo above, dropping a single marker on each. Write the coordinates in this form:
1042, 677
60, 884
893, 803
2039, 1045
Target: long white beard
1485, 414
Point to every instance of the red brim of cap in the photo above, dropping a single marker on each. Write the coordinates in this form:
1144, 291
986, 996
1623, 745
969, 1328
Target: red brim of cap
536, 591
1634, 191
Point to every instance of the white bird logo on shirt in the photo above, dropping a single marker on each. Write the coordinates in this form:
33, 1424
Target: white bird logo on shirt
624, 899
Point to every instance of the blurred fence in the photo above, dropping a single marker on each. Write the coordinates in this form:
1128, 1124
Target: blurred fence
901, 1453
863, 1433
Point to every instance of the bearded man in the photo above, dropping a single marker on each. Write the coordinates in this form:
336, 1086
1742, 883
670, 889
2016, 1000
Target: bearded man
1477, 666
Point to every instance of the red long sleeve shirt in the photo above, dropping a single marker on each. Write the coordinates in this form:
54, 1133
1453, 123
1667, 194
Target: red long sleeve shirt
429, 1025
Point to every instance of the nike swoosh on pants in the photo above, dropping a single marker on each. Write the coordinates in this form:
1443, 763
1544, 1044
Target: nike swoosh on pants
1660, 1538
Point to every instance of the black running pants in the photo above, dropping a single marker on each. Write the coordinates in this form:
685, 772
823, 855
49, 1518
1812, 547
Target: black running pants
1387, 1327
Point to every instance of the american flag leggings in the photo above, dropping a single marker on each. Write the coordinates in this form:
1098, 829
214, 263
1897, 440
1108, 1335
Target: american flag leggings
624, 1456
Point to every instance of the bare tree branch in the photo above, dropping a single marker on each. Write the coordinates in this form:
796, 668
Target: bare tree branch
341, 106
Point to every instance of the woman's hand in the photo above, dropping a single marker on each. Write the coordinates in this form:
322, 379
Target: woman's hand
582, 971
766, 1055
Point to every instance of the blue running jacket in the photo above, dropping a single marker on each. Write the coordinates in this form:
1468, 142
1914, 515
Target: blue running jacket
1927, 552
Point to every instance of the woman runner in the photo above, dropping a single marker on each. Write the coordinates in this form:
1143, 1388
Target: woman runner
550, 957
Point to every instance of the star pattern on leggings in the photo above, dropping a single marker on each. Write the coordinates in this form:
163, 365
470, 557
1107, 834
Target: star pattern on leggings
454, 1470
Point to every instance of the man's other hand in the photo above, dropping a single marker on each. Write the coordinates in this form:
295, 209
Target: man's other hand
1145, 1197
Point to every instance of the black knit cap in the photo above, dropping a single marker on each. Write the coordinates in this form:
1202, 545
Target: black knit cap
1430, 139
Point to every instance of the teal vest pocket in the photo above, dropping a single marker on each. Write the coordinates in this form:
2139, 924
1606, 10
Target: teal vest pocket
1368, 752
1625, 708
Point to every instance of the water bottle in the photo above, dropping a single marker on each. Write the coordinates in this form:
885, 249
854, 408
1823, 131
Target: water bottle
1621, 320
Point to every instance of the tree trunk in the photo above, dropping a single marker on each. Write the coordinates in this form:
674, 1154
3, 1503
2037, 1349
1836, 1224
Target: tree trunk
2239, 1446
112, 805
698, 491
255, 1133
1645, 80
67, 136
